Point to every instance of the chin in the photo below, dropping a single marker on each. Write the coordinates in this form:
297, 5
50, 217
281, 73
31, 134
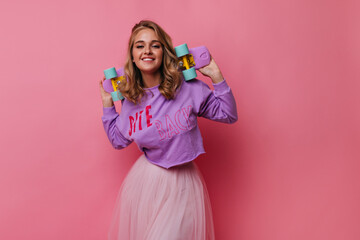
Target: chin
149, 70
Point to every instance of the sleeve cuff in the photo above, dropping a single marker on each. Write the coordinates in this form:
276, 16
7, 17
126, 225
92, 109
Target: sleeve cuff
109, 110
221, 88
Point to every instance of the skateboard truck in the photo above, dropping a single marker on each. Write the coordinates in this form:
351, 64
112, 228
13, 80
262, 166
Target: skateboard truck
113, 79
192, 59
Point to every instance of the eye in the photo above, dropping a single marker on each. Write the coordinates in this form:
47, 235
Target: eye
156, 46
139, 46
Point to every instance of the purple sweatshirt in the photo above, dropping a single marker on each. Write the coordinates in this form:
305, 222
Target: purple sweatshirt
166, 130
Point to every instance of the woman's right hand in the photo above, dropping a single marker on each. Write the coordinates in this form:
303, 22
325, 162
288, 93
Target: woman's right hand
105, 96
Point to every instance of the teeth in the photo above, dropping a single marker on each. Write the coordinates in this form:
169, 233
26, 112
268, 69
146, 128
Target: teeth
148, 59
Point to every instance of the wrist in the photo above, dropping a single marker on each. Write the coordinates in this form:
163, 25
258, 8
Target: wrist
107, 103
217, 77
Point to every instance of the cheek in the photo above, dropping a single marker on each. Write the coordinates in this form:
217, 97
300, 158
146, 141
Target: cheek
135, 53
161, 55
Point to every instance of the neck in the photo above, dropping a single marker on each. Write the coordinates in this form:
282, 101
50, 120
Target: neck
151, 79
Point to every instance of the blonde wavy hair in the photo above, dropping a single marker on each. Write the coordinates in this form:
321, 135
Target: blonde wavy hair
133, 88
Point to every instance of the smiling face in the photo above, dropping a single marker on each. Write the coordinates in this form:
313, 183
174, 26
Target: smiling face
147, 52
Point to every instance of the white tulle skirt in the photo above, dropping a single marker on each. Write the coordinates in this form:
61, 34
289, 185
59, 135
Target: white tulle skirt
155, 203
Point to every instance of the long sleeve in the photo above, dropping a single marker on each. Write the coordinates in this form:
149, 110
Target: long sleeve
218, 105
112, 126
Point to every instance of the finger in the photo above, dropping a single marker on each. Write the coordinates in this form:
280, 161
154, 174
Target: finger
102, 80
101, 87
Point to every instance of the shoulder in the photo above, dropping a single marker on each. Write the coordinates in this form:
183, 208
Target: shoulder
195, 85
193, 90
128, 107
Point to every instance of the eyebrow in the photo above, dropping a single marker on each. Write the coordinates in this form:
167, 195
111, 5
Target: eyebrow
142, 41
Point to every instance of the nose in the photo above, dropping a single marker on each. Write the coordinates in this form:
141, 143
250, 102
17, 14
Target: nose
147, 49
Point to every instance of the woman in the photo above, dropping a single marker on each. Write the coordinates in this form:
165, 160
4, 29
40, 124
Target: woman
163, 196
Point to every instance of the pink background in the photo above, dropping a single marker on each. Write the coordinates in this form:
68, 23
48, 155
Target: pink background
288, 169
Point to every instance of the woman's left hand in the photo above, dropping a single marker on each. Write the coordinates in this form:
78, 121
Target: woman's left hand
212, 71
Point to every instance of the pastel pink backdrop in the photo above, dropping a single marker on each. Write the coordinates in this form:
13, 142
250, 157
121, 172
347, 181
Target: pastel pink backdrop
288, 169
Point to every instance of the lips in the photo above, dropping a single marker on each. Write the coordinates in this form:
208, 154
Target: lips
148, 59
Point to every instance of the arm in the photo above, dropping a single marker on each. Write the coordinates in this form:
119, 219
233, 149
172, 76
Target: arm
111, 121
219, 105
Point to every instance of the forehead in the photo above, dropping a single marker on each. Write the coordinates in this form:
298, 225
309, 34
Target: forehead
146, 35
